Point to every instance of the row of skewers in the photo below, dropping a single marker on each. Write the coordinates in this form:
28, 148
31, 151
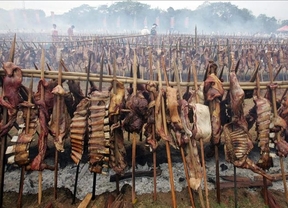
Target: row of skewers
187, 121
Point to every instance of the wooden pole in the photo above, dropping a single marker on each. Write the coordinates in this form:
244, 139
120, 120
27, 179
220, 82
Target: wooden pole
100, 89
115, 118
58, 111
201, 142
181, 147
154, 154
134, 134
30, 92
174, 204
78, 165
265, 187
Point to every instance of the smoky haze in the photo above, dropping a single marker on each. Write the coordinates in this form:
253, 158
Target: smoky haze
131, 17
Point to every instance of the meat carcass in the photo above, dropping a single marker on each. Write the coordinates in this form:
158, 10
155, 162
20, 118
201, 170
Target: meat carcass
151, 139
98, 122
117, 149
78, 129
21, 149
11, 98
263, 120
45, 107
213, 91
137, 117
64, 118
238, 141
238, 144
159, 125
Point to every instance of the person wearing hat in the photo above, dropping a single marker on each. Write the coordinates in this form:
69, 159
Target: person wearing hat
70, 32
153, 30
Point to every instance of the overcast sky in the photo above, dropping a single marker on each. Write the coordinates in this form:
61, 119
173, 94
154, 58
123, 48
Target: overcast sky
278, 9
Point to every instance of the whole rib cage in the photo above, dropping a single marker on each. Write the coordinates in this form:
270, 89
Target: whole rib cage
98, 144
237, 146
78, 129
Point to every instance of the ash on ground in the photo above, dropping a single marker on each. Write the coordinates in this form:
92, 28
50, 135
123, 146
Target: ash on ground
66, 177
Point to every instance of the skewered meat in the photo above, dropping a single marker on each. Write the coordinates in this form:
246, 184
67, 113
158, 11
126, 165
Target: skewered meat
192, 156
45, 107
11, 98
264, 115
279, 125
117, 149
64, 119
238, 144
78, 129
25, 138
237, 98
283, 113
213, 90
150, 125
98, 144
136, 118
193, 165
159, 126
201, 120
172, 105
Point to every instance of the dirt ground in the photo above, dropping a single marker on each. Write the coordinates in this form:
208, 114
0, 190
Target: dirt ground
246, 198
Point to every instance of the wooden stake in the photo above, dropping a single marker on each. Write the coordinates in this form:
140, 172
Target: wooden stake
167, 143
134, 134
78, 165
58, 103
181, 147
115, 118
154, 154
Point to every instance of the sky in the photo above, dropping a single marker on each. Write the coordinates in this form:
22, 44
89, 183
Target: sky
277, 9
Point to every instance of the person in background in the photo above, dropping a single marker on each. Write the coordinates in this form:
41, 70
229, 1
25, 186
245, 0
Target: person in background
70, 32
145, 31
54, 33
153, 29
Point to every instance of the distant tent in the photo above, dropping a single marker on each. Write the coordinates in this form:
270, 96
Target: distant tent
283, 29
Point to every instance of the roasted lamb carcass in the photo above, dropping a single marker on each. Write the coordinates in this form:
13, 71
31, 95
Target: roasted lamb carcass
21, 148
238, 141
78, 129
176, 118
150, 125
283, 113
64, 119
98, 122
238, 144
213, 91
137, 117
263, 120
117, 149
45, 107
11, 98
